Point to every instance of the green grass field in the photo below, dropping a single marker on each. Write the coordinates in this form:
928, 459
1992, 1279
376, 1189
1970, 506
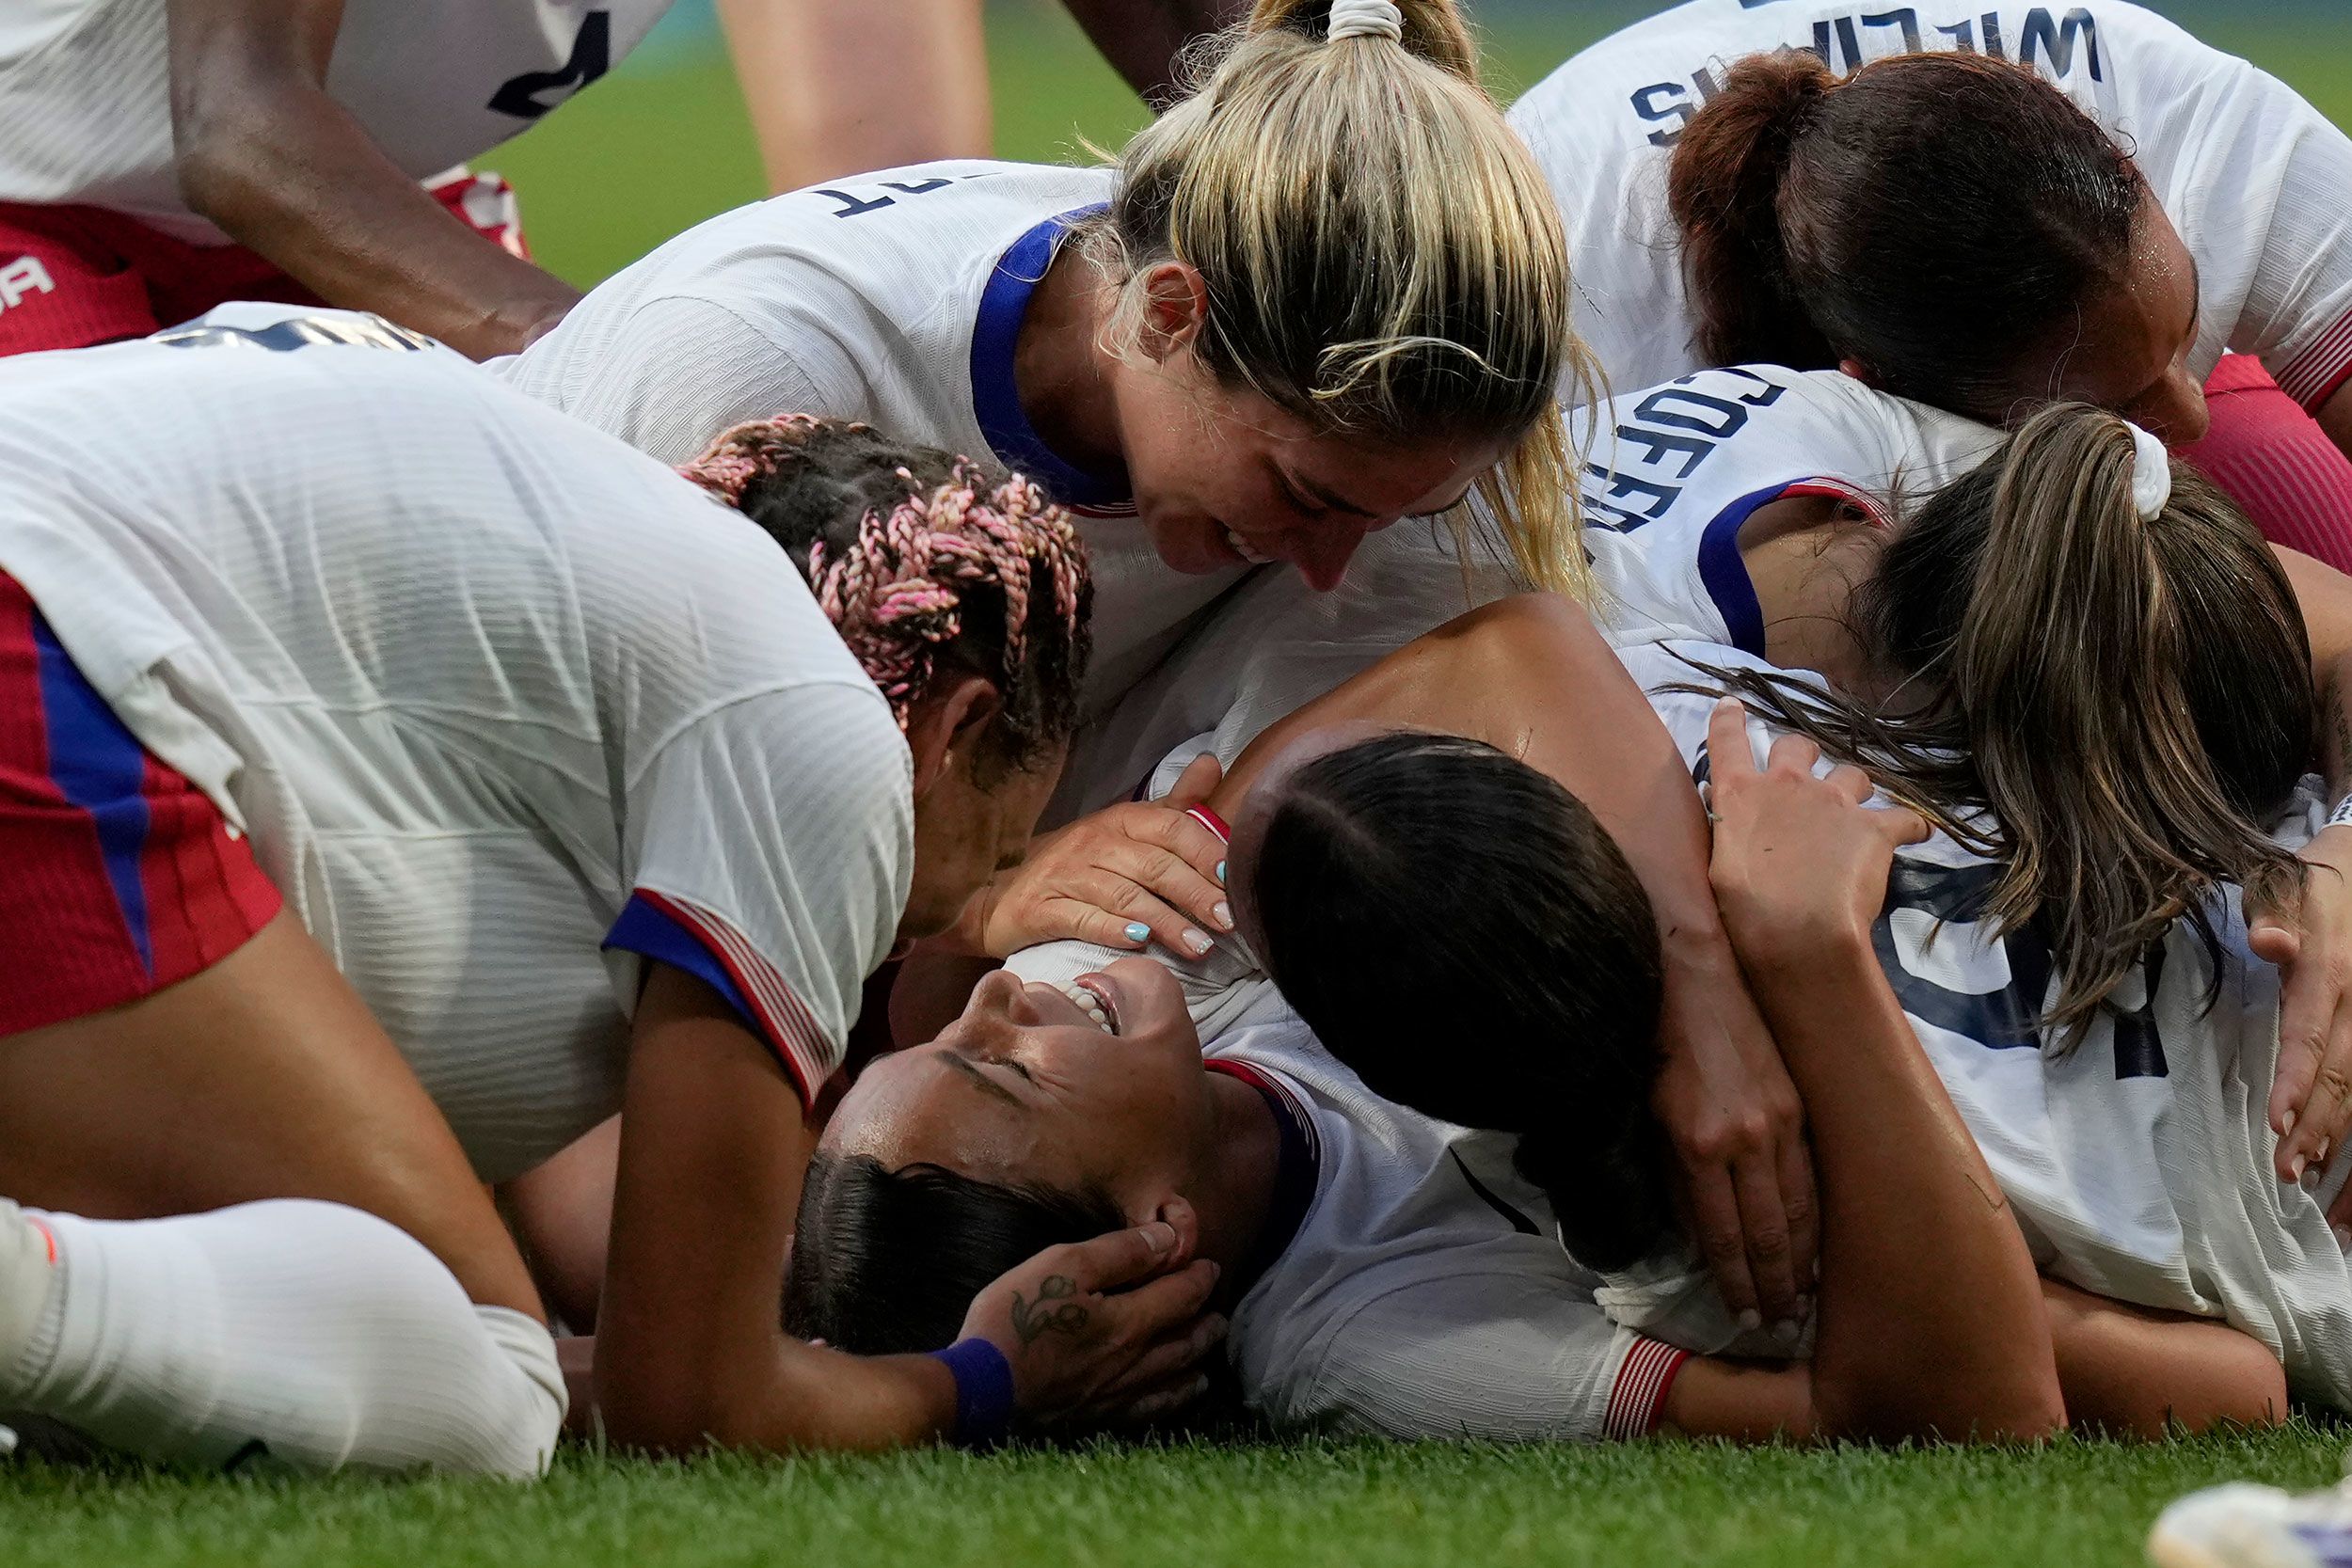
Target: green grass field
1307, 1506
646, 154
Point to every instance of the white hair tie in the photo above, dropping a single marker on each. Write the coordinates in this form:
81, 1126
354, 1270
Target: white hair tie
1364, 19
2151, 474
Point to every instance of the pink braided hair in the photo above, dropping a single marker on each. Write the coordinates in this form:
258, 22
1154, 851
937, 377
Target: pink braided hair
896, 593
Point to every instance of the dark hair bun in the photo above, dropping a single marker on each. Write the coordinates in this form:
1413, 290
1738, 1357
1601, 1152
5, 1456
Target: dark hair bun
1520, 981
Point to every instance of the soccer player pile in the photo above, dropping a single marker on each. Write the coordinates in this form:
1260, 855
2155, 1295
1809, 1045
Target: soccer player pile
1678, 761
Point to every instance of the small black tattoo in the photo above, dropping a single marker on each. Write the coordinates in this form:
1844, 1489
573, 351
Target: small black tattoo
1031, 1320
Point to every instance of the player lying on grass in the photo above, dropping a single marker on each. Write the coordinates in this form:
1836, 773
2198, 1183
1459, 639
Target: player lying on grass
399, 777
2078, 201
1408, 1275
158, 157
1390, 1273
1820, 525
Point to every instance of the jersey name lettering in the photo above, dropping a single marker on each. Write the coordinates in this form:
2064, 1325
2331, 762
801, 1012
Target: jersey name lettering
1673, 431
853, 205
1845, 43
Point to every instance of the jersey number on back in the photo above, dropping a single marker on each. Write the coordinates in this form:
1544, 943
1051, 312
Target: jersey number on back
1918, 951
592, 56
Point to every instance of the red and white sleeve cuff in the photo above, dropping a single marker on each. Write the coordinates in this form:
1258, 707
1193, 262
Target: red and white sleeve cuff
2315, 375
1639, 1397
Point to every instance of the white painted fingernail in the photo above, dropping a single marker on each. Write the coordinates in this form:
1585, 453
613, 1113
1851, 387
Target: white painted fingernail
2287, 1124
1751, 1321
1198, 942
2294, 1168
1786, 1330
2311, 1180
1224, 914
2343, 1238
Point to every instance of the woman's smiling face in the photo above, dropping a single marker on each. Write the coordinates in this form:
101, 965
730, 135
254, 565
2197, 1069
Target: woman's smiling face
1223, 477
1026, 1088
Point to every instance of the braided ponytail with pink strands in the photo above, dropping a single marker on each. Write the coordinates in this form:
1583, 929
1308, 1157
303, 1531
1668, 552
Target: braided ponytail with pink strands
922, 561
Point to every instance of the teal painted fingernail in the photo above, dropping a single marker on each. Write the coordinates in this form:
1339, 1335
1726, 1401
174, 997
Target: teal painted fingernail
1220, 871
1137, 931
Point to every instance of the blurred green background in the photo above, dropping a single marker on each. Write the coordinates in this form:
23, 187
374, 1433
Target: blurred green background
663, 143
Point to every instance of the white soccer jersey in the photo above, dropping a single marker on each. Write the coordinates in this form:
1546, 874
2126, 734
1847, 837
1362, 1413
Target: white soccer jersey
2139, 1165
504, 706
2257, 180
86, 88
1673, 472
896, 298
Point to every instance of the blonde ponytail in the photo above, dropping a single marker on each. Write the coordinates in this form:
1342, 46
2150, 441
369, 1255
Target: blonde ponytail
1381, 255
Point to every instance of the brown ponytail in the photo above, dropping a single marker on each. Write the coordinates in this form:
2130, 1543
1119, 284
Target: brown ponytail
1939, 218
2127, 702
1724, 188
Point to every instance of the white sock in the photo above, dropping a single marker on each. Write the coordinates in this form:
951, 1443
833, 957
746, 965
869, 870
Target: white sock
313, 1333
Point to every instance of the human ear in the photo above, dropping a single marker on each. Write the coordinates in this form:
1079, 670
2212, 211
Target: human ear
1175, 306
950, 719
1167, 1205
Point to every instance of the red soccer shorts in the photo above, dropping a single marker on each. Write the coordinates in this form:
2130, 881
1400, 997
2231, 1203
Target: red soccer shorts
122, 875
71, 276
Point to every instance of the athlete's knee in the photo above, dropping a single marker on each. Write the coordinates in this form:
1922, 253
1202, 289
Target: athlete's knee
426, 1377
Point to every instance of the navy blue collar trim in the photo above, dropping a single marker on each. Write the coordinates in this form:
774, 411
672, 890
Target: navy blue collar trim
1723, 571
995, 398
1297, 1167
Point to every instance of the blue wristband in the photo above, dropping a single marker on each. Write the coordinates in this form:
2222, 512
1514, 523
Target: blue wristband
983, 1391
